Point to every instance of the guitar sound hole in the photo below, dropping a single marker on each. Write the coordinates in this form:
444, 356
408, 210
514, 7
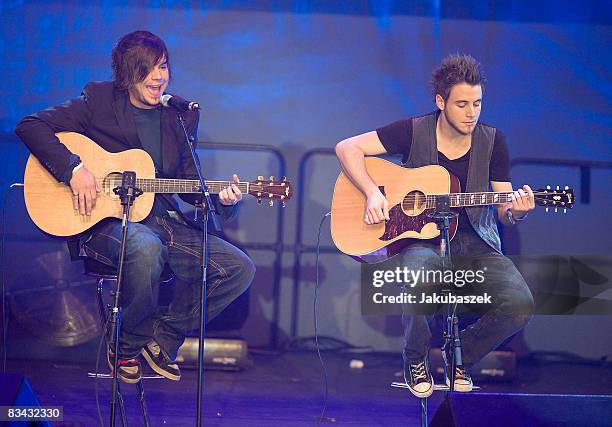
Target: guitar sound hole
111, 181
414, 203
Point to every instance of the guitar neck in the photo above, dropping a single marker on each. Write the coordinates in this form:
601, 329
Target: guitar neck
162, 185
458, 200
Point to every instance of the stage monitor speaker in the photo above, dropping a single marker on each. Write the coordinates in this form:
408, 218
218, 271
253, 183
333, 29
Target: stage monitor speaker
219, 353
15, 390
523, 410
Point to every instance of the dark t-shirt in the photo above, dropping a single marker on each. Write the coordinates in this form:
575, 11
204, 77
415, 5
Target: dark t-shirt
149, 132
397, 139
148, 125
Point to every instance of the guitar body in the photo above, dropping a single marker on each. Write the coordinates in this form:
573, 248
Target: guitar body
49, 202
405, 189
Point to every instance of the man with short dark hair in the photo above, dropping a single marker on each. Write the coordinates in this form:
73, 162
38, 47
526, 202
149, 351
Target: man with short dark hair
477, 154
126, 114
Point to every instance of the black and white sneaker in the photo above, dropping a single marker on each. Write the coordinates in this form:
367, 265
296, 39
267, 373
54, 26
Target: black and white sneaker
418, 378
128, 370
463, 380
160, 362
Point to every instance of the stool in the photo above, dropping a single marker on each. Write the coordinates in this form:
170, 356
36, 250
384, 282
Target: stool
102, 273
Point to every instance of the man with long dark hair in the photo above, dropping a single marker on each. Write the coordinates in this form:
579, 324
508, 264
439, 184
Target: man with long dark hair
477, 154
123, 114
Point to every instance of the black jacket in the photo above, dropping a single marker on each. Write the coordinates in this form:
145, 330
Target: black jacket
103, 114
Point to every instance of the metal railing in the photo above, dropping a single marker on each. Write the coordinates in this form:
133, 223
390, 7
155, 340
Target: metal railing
277, 245
300, 248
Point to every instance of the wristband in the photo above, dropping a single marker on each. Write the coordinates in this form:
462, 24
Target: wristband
512, 219
77, 167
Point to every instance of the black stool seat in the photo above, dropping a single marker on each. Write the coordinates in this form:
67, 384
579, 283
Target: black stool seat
101, 270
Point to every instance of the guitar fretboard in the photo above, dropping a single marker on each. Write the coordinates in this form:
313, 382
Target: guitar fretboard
162, 185
458, 200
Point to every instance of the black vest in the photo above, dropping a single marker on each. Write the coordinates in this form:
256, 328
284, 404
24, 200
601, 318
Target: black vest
424, 151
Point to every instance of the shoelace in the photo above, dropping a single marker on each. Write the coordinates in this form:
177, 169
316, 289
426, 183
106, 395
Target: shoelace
157, 352
155, 349
461, 374
418, 371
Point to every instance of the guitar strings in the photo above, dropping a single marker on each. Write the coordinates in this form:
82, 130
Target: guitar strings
488, 195
178, 182
185, 186
478, 199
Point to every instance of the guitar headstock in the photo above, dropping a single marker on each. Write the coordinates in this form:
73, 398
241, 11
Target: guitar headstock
555, 198
271, 190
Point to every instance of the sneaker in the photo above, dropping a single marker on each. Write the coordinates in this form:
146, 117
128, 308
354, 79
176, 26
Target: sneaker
129, 370
463, 380
418, 378
160, 362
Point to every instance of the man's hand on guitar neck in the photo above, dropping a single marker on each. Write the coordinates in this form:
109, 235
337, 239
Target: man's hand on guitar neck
85, 190
377, 208
231, 195
523, 201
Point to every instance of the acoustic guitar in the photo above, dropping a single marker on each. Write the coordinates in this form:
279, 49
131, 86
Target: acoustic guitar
412, 195
49, 202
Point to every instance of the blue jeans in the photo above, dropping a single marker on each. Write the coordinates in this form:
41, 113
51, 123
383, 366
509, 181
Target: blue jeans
512, 308
151, 245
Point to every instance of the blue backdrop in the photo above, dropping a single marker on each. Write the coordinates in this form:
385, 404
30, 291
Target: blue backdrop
305, 74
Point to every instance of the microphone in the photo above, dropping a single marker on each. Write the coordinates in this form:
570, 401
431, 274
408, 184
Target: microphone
178, 103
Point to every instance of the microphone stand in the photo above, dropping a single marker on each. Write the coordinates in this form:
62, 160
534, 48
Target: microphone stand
452, 343
208, 208
127, 192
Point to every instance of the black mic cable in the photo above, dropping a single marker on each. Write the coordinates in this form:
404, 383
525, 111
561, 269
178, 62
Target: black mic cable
322, 417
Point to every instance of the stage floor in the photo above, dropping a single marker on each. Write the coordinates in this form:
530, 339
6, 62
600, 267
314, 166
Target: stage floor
287, 390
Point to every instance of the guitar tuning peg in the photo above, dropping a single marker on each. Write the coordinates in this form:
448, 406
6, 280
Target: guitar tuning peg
271, 202
283, 204
566, 187
556, 210
557, 187
272, 178
546, 207
258, 201
259, 177
564, 210
548, 187
284, 178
